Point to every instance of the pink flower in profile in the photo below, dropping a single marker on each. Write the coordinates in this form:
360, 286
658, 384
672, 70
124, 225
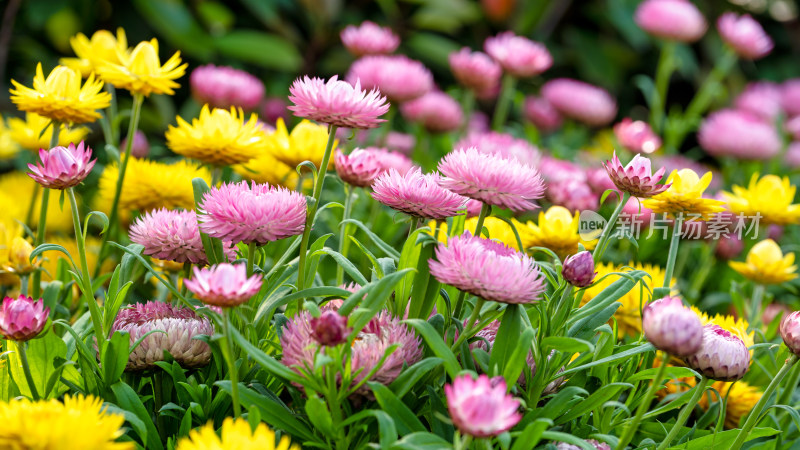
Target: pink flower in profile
487, 269
575, 195
518, 55
637, 177
223, 285
140, 147
762, 98
792, 158
672, 327
475, 70
436, 111
580, 101
542, 114
417, 194
359, 168
389, 160
481, 407
274, 108
401, 142
397, 77
599, 181
337, 102
637, 136
729, 246
330, 328
790, 97
740, 134
62, 167
722, 356
225, 87
492, 179
745, 35
369, 38
677, 20
22, 318
792, 126
502, 144
554, 169
252, 213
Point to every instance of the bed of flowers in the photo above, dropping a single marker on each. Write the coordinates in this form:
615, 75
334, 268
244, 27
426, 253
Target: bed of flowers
399, 263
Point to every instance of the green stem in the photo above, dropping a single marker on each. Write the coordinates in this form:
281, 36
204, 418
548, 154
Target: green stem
786, 394
630, 430
601, 243
23, 357
344, 243
684, 414
486, 210
85, 277
467, 105
233, 373
703, 269
187, 273
504, 102
251, 257
467, 331
673, 251
42, 223
755, 306
663, 73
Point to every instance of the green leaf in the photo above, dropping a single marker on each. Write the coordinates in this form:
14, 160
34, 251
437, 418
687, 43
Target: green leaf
568, 438
411, 376
437, 345
425, 288
129, 400
566, 344
723, 440
532, 434
645, 347
378, 294
506, 339
174, 21
115, 356
51, 247
597, 399
317, 412
43, 354
388, 249
406, 421
264, 49
422, 440
517, 361
671, 373
269, 363
348, 267
387, 430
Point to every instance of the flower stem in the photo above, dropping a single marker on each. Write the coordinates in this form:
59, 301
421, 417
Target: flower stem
344, 243
42, 222
786, 395
504, 102
630, 430
85, 278
666, 64
486, 210
251, 257
467, 104
228, 353
23, 357
465, 333
673, 251
755, 306
684, 414
601, 243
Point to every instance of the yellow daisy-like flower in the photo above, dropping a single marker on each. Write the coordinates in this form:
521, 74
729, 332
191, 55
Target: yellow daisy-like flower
8, 146
265, 168
28, 133
499, 230
557, 230
16, 192
306, 143
8, 233
141, 72
219, 137
236, 434
766, 264
61, 97
685, 196
102, 48
737, 327
80, 422
770, 196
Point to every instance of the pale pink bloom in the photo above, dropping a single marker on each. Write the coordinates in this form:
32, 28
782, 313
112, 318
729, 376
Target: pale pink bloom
672, 327
337, 102
501, 144
637, 136
723, 356
578, 269
223, 285
745, 35
481, 407
176, 330
518, 55
478, 122
790, 97
259, 213
436, 111
554, 170
775, 311
62, 167
729, 246
140, 147
475, 70
792, 126
359, 168
369, 38
542, 114
492, 179
487, 269
274, 108
400, 142
792, 158
637, 177
417, 194
575, 195
474, 208
225, 87
599, 181
677, 20
397, 77
22, 318
740, 134
389, 160
580, 101
762, 98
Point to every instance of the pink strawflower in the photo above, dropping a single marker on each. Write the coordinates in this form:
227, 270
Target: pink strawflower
554, 170
401, 142
359, 168
225, 87
140, 147
478, 123
329, 329
242, 212
672, 327
436, 111
573, 194
740, 134
369, 38
762, 98
729, 246
580, 101
223, 285
792, 157
542, 114
176, 331
637, 177
518, 55
487, 269
597, 178
745, 35
790, 97
633, 210
62, 167
389, 160
492, 179
475, 70
337, 102
417, 194
501, 144
578, 269
481, 407
397, 77
677, 20
776, 311
723, 356
274, 108
637, 136
474, 208
792, 126
22, 318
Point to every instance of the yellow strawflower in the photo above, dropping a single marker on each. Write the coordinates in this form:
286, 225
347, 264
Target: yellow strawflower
16, 192
685, 196
8, 233
78, 423
219, 137
737, 327
771, 197
8, 146
61, 97
265, 168
499, 230
28, 133
556, 230
236, 434
141, 72
766, 264
102, 48
306, 143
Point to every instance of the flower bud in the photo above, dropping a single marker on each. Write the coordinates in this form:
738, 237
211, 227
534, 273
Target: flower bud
723, 356
22, 318
671, 327
578, 269
790, 332
140, 147
19, 256
329, 329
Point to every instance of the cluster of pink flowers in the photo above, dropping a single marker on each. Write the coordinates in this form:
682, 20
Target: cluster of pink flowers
397, 77
225, 87
501, 144
436, 111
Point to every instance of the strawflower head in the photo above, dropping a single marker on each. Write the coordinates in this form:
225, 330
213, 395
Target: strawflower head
141, 71
637, 178
581, 101
762, 98
767, 264
677, 20
337, 102
369, 38
397, 77
790, 97
61, 97
542, 114
790, 332
306, 142
744, 35
22, 318
481, 407
102, 48
557, 230
672, 327
722, 356
740, 134
28, 132
436, 111
330, 328
225, 87
417, 194
734, 325
770, 197
573, 194
578, 269
392, 160
518, 55
62, 167
359, 168
475, 70
235, 434
685, 195
637, 136
223, 285
502, 144
140, 146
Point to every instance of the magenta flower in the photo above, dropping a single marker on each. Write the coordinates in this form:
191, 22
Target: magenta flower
745, 35
672, 327
723, 356
171, 235
729, 246
417, 194
259, 213
22, 318
598, 180
475, 70
578, 269
554, 170
337, 102
518, 55
761, 98
488, 269
224, 285
542, 114
274, 108
740, 134
790, 97
140, 147
677, 20
573, 194
369, 38
790, 331
580, 101
636, 178
225, 87
637, 136
389, 160
501, 144
177, 329
359, 168
401, 142
792, 157
397, 77
492, 179
329, 329
481, 407
436, 111
62, 167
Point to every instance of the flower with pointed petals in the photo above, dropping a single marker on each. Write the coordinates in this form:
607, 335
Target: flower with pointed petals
417, 194
502, 144
481, 407
62, 167
745, 35
740, 134
722, 356
581, 101
542, 114
767, 264
518, 55
369, 38
475, 70
685, 195
790, 331
637, 136
557, 230
359, 168
578, 269
306, 142
27, 133
235, 434
397, 77
337, 102
672, 327
770, 197
637, 177
677, 20
436, 111
141, 71
102, 48
225, 87
575, 195
329, 329
392, 160
223, 285
22, 318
